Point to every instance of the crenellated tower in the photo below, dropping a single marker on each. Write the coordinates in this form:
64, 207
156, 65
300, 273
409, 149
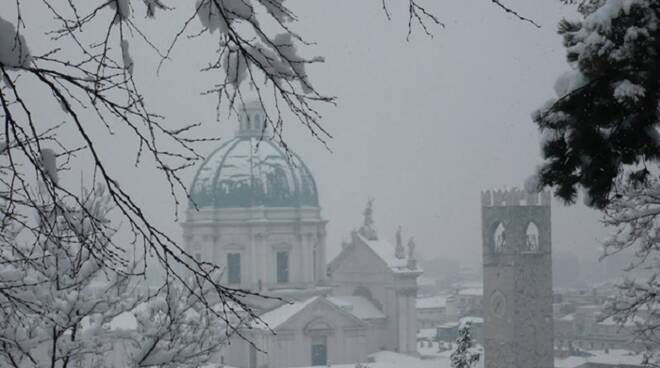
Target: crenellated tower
517, 271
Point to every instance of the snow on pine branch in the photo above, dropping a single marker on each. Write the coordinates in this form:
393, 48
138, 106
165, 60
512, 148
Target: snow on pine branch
605, 115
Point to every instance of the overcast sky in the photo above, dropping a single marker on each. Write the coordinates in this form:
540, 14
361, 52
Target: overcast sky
422, 126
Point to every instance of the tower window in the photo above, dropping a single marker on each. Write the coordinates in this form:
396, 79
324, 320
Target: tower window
282, 267
499, 238
234, 268
532, 237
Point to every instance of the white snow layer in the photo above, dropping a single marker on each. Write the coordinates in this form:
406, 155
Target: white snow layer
126, 56
358, 306
433, 302
215, 19
569, 82
386, 252
279, 315
122, 7
628, 91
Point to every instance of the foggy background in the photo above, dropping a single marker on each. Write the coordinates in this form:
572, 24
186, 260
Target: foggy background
422, 126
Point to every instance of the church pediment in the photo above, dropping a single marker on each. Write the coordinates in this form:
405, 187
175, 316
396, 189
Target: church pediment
315, 316
372, 256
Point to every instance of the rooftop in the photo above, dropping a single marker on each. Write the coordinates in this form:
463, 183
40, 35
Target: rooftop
358, 306
432, 302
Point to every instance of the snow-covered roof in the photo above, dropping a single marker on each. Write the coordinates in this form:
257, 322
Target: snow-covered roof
358, 306
589, 308
568, 317
355, 307
613, 357
432, 302
383, 250
427, 333
611, 321
467, 284
471, 292
426, 281
281, 314
448, 325
386, 252
473, 320
389, 359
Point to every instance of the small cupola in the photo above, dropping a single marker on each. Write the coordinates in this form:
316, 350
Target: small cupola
252, 120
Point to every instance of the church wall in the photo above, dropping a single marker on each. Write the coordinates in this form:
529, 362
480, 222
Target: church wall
257, 234
291, 345
406, 294
237, 351
378, 337
363, 270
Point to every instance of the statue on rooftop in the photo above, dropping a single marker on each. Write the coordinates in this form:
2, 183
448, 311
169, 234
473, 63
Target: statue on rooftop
412, 262
399, 251
367, 230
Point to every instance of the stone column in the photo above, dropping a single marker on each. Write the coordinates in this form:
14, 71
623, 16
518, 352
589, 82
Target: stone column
255, 239
309, 258
412, 324
407, 319
322, 264
402, 323
264, 255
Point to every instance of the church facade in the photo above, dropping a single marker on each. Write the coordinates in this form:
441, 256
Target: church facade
255, 212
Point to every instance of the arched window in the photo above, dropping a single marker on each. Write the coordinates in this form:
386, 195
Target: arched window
499, 238
364, 292
532, 238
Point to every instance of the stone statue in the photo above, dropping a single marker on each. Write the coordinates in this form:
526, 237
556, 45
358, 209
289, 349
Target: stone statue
367, 230
412, 262
399, 251
411, 247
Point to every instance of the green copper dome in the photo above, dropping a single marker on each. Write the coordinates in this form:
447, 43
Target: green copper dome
247, 172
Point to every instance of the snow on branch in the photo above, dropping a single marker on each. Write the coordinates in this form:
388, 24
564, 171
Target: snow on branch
634, 214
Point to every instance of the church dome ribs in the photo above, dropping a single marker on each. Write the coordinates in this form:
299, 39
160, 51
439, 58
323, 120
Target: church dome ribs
250, 172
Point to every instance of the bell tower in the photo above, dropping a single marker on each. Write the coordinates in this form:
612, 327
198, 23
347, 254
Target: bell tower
517, 271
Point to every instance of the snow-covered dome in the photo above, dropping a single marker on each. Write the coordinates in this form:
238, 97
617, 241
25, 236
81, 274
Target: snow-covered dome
249, 171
